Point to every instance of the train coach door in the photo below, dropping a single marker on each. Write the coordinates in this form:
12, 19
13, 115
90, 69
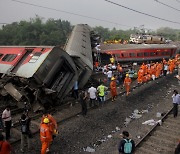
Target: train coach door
26, 53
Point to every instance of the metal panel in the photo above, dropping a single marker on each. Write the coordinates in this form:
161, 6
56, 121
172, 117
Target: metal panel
13, 91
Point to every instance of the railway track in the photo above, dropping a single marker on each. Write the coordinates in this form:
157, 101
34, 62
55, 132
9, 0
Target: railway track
61, 113
161, 139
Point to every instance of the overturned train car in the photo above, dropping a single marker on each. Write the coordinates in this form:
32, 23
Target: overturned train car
44, 75
79, 48
36, 74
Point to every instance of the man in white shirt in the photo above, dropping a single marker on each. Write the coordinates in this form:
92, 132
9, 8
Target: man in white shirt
6, 116
109, 75
92, 95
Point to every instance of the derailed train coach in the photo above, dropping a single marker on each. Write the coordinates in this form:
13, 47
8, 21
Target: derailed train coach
36, 74
43, 75
80, 49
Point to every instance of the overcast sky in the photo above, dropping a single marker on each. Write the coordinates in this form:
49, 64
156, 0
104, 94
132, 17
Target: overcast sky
11, 11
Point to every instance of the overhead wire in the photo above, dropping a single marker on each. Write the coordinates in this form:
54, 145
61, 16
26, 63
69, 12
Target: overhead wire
67, 12
142, 12
166, 5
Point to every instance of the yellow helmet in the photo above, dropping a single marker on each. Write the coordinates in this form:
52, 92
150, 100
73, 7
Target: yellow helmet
127, 75
113, 78
46, 120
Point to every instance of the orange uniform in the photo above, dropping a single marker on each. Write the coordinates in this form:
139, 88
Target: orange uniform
140, 75
45, 137
158, 70
127, 83
52, 122
113, 88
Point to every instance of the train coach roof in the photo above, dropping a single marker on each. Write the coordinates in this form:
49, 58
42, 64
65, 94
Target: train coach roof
20, 66
105, 47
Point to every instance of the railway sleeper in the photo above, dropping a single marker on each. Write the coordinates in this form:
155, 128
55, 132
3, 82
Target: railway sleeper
161, 140
143, 150
167, 130
171, 125
156, 149
173, 120
166, 135
158, 146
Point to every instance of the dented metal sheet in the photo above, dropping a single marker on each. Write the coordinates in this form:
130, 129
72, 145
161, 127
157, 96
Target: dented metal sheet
13, 91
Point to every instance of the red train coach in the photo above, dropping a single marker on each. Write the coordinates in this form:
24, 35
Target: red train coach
139, 52
30, 73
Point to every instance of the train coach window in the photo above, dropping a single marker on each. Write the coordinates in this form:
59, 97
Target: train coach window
9, 57
124, 54
153, 53
1, 55
167, 53
163, 53
146, 54
35, 57
132, 55
117, 55
140, 54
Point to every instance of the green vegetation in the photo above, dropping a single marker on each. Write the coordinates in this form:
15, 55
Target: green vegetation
55, 32
35, 32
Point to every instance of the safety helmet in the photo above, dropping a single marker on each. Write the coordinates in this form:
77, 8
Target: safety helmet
127, 75
113, 78
46, 120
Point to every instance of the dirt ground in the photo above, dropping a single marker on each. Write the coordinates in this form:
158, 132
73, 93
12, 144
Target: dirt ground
99, 130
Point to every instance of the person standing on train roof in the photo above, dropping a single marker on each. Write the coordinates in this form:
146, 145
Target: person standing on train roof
127, 84
113, 88
45, 136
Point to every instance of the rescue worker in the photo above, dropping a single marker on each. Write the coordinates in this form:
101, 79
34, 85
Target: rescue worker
127, 83
112, 60
158, 70
171, 66
52, 123
113, 88
45, 136
140, 75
